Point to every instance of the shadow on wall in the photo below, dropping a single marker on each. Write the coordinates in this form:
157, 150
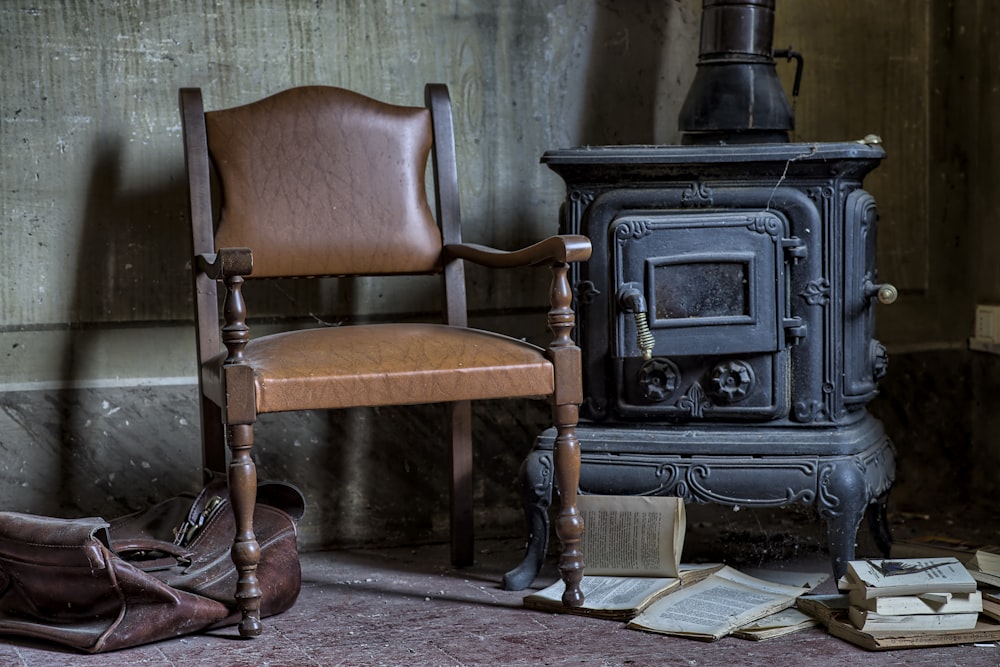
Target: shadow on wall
130, 269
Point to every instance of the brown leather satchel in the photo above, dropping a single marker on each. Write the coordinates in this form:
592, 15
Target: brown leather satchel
99, 586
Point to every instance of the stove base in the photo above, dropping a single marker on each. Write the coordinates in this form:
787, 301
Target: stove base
844, 471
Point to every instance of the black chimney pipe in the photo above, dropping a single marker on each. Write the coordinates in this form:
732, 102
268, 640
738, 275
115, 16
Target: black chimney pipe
736, 96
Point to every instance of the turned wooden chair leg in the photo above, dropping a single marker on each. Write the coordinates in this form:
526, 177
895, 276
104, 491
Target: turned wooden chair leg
462, 539
246, 550
569, 524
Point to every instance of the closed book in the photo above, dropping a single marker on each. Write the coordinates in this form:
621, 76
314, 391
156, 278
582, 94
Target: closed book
986, 559
932, 603
985, 578
866, 620
907, 576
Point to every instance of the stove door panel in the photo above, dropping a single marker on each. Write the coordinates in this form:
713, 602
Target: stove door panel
712, 282
712, 287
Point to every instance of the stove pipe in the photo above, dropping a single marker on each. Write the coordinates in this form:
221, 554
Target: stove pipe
736, 97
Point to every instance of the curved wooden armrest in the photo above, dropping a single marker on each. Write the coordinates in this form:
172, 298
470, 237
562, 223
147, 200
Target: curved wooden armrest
561, 249
227, 262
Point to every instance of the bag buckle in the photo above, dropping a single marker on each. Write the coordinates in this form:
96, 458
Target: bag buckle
189, 529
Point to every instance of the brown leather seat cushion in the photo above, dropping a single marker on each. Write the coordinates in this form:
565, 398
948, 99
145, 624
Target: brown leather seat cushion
392, 364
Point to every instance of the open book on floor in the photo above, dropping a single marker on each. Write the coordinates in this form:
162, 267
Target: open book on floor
779, 624
631, 550
616, 598
716, 606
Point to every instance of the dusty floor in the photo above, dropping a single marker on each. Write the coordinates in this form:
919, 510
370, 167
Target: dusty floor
406, 606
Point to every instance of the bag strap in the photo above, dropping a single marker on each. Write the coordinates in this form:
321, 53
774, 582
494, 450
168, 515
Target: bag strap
150, 555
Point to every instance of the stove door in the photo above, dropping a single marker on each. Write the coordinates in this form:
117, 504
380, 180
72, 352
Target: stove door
713, 288
864, 358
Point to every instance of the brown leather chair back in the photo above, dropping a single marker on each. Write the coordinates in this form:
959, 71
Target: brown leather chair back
290, 209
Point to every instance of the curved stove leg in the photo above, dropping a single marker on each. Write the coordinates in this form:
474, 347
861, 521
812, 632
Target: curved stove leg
842, 502
536, 497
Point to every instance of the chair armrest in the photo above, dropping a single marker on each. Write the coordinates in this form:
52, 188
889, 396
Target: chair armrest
227, 262
230, 265
562, 249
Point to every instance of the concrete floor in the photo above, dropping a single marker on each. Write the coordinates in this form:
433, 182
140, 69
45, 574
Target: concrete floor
406, 606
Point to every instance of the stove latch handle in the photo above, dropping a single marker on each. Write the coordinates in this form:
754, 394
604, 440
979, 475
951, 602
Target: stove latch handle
631, 301
885, 292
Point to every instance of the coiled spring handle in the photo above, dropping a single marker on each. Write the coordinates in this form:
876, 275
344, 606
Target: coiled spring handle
631, 301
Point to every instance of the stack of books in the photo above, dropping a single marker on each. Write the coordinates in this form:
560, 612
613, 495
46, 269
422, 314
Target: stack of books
911, 594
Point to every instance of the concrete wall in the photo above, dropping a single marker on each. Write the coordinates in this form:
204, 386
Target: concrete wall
97, 409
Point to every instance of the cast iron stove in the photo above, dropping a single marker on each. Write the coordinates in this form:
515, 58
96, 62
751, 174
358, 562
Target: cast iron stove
726, 316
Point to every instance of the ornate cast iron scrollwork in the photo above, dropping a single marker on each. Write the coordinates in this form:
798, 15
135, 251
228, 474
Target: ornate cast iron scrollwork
697, 195
628, 230
694, 401
806, 412
764, 224
817, 292
828, 502
581, 197
820, 193
696, 488
706, 481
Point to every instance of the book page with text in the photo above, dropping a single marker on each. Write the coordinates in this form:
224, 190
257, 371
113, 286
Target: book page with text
640, 536
714, 607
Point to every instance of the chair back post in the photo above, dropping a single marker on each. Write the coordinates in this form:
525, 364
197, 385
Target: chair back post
446, 199
202, 241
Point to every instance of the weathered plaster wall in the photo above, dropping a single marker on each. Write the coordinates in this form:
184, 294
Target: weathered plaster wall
97, 411
93, 208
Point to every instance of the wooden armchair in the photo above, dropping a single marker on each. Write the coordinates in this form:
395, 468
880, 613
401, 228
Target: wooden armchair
321, 181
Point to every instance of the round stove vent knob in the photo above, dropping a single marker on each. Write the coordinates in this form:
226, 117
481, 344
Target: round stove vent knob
732, 380
659, 378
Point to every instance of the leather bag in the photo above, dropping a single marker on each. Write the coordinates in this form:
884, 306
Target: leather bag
98, 585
